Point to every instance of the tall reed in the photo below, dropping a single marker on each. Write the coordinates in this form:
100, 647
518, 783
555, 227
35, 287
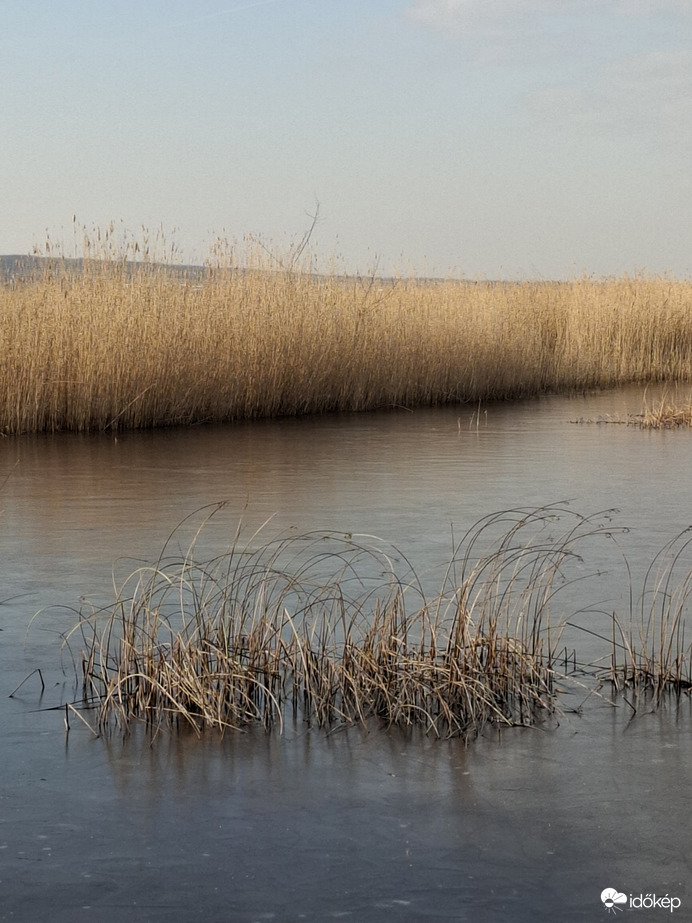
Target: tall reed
123, 342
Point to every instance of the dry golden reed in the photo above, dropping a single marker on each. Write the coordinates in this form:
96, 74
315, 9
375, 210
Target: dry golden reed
127, 344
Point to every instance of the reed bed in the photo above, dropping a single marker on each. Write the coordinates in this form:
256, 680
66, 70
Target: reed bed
123, 342
329, 630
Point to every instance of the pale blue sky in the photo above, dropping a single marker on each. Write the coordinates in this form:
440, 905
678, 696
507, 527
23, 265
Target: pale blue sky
481, 138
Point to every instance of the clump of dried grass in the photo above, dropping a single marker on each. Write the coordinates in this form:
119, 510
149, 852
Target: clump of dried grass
122, 341
654, 658
667, 415
321, 628
664, 414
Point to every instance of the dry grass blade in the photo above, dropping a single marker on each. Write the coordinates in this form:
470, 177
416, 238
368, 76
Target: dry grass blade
70, 709
17, 688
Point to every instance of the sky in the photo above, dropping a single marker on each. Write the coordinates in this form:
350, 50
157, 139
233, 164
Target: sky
539, 139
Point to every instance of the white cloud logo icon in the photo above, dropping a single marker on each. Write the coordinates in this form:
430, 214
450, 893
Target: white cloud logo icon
611, 898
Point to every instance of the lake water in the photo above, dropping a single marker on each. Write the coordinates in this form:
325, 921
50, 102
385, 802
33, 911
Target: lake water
518, 826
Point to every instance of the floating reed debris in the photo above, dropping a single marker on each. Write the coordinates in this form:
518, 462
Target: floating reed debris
325, 628
117, 340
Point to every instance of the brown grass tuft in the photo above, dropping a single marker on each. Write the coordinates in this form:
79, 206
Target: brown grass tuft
653, 658
666, 415
308, 627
